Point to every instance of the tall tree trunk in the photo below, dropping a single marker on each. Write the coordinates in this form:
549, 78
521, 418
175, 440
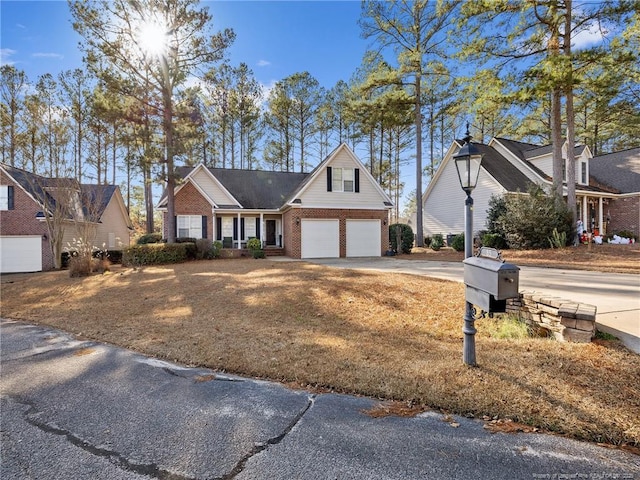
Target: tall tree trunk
571, 140
418, 122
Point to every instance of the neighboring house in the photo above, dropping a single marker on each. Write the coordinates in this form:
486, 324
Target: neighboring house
511, 166
337, 210
622, 171
25, 198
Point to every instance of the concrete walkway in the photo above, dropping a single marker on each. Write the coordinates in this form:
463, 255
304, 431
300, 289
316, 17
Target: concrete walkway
83, 410
616, 295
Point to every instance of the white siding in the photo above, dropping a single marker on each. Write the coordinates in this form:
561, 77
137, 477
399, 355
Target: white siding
544, 163
443, 210
212, 188
316, 195
113, 225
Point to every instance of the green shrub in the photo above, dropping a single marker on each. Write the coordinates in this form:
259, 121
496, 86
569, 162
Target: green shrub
529, 220
255, 247
437, 242
149, 238
216, 249
156, 254
495, 213
458, 242
494, 240
406, 238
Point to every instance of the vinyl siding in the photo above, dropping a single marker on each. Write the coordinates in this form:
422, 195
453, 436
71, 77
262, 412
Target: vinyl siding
113, 221
316, 195
212, 188
443, 210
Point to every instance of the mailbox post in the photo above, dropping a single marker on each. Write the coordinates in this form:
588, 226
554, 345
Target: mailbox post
468, 160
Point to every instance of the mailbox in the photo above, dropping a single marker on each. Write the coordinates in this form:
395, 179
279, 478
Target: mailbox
490, 281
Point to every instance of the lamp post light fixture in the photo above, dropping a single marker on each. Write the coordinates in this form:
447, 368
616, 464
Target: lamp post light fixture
468, 160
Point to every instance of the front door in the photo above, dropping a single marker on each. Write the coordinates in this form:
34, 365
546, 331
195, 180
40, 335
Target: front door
271, 232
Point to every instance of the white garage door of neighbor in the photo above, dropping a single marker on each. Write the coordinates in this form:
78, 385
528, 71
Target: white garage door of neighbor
320, 238
363, 238
21, 254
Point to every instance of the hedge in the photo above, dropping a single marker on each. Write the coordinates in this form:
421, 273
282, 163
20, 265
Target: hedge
157, 254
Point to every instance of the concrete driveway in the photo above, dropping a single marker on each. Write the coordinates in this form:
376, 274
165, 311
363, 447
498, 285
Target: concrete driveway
82, 410
616, 295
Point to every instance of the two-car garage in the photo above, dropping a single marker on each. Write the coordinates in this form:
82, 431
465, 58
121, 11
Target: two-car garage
320, 238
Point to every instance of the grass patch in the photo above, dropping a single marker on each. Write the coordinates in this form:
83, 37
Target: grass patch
508, 327
389, 336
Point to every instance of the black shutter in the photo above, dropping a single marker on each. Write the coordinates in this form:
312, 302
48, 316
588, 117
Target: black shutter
204, 226
258, 228
329, 180
356, 177
242, 229
218, 228
175, 226
235, 228
10, 200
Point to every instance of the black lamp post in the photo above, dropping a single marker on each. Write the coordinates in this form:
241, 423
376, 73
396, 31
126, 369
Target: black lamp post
468, 160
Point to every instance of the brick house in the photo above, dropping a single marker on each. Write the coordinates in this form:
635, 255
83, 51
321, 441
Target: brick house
24, 237
337, 210
607, 187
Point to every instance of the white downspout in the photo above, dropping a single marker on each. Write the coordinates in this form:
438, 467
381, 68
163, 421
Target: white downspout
600, 216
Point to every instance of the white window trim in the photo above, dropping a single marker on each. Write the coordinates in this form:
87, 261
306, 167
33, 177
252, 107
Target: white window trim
191, 223
4, 197
338, 179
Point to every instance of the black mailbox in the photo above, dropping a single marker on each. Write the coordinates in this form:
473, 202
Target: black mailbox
490, 281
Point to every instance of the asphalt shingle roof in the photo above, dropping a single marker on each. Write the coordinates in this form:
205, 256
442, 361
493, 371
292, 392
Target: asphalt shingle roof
619, 170
502, 170
255, 189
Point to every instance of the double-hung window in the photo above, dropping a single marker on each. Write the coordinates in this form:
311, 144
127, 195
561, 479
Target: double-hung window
189, 226
343, 180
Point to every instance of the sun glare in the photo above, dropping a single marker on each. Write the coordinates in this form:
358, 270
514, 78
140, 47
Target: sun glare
152, 38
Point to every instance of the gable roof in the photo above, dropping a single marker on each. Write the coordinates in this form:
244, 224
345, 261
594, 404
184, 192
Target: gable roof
36, 187
619, 170
502, 170
266, 190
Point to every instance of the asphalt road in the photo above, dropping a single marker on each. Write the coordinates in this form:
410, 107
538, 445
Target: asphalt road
616, 295
83, 410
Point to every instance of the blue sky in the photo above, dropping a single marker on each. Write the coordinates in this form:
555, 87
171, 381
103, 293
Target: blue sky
274, 38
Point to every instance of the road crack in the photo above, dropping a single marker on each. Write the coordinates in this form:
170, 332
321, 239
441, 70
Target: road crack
272, 441
151, 470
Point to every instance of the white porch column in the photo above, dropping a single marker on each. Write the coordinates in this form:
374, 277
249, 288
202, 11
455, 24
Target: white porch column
585, 213
239, 233
214, 233
600, 216
261, 229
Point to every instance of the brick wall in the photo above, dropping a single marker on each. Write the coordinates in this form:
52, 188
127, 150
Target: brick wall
292, 230
625, 215
22, 220
189, 201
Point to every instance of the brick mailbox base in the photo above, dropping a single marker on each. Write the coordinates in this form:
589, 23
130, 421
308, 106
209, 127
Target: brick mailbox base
564, 319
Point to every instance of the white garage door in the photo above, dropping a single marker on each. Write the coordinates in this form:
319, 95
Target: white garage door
320, 238
21, 254
363, 238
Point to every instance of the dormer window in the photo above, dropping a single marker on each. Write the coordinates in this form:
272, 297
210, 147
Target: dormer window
583, 173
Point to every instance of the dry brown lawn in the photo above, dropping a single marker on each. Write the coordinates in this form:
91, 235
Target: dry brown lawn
602, 258
390, 336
